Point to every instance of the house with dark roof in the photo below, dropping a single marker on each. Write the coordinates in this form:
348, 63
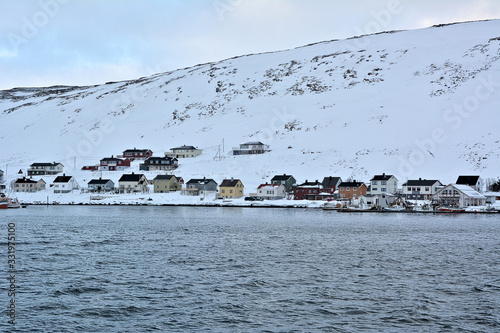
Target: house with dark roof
196, 186
331, 184
476, 182
231, 188
309, 191
101, 185
288, 181
184, 152
29, 185
133, 182
114, 164
137, 154
351, 190
159, 163
45, 169
250, 148
420, 189
166, 183
383, 184
65, 184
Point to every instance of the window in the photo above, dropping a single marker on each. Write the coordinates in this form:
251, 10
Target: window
341, 189
418, 189
374, 189
354, 188
383, 189
427, 189
230, 191
383, 182
223, 191
347, 188
374, 182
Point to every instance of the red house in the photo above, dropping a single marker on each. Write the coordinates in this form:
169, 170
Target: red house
135, 153
308, 191
114, 164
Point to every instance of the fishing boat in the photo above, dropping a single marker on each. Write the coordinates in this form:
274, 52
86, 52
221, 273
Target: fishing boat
6, 202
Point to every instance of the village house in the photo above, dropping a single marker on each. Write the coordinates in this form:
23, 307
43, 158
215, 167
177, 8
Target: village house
197, 186
114, 164
331, 184
133, 183
166, 183
383, 184
420, 189
458, 195
492, 197
159, 163
65, 184
476, 182
101, 185
29, 185
37, 169
308, 191
231, 188
250, 148
184, 152
352, 190
288, 181
137, 154
271, 191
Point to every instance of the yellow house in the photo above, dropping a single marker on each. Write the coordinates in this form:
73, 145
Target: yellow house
166, 183
231, 188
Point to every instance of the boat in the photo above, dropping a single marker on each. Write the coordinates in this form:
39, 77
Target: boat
451, 210
6, 202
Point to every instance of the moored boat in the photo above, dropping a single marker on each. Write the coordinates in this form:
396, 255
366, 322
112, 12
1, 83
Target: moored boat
451, 210
6, 202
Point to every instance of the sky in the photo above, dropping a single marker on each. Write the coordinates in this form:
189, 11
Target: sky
87, 42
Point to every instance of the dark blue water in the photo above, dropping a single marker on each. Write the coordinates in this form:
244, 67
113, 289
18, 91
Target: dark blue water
168, 269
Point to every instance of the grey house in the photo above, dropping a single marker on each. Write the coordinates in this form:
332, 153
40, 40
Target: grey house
101, 185
287, 181
207, 185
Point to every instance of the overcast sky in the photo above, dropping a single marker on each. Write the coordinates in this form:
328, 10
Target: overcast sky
83, 42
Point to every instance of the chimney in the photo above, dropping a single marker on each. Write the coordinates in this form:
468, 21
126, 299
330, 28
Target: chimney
420, 179
383, 175
232, 179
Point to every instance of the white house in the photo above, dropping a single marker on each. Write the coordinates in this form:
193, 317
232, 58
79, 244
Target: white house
65, 184
383, 184
271, 191
421, 189
459, 195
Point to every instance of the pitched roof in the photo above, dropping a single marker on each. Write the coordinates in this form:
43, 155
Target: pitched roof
310, 184
467, 180
45, 164
281, 177
165, 177
25, 180
62, 179
421, 182
110, 159
331, 181
131, 177
253, 143
351, 184
269, 185
382, 177
99, 181
183, 147
199, 180
135, 150
469, 191
229, 182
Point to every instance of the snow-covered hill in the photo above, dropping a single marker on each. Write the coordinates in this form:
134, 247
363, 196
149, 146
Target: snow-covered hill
422, 103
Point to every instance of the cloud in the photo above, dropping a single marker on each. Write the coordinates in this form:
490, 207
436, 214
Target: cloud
87, 42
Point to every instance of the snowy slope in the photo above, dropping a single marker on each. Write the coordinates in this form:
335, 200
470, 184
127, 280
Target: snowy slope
422, 103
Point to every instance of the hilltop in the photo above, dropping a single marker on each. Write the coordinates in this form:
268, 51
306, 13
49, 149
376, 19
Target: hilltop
421, 103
